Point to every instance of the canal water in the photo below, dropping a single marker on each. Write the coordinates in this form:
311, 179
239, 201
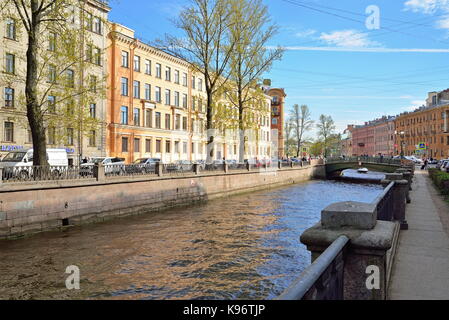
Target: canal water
241, 247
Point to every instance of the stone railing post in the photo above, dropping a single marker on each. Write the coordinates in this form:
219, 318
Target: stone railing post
367, 252
98, 171
248, 166
225, 168
291, 164
279, 165
1, 175
400, 190
158, 169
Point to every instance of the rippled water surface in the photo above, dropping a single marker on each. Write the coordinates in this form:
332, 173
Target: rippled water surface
242, 247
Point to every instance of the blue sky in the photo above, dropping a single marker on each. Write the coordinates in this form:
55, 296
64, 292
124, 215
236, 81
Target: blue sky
333, 62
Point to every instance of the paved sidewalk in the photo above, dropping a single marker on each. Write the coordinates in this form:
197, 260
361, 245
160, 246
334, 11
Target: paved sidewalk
421, 266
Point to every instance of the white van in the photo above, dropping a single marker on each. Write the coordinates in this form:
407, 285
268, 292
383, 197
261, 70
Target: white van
19, 163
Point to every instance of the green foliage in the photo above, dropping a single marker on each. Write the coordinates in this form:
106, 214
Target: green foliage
440, 179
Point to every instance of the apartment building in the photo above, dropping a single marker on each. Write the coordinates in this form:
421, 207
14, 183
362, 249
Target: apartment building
157, 108
14, 129
425, 131
278, 96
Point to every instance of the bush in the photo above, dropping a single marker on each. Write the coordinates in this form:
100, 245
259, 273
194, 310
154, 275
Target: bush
441, 180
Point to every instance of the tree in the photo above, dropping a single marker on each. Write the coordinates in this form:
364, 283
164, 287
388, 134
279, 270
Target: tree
288, 136
207, 46
249, 34
326, 128
316, 148
55, 67
302, 123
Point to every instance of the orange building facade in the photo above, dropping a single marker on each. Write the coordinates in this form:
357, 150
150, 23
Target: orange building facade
155, 103
425, 132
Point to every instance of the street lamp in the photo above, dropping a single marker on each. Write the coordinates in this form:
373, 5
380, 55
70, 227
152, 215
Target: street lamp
402, 133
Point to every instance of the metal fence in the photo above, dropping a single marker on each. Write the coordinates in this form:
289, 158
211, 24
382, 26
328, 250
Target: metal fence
49, 173
384, 204
323, 279
385, 160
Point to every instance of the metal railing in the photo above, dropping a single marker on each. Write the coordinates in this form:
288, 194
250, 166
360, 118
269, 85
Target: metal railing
50, 173
41, 173
384, 204
323, 279
384, 160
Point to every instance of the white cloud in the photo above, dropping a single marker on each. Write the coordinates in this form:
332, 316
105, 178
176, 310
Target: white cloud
426, 6
305, 33
348, 38
443, 23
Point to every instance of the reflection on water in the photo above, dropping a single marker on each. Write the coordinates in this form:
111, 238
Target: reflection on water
242, 247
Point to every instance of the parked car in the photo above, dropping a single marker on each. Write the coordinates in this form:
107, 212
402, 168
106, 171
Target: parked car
142, 165
414, 159
440, 163
445, 166
19, 164
112, 165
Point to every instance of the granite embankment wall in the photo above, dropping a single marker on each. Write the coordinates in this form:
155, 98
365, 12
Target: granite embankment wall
27, 208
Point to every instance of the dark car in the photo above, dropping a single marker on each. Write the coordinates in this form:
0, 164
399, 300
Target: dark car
142, 165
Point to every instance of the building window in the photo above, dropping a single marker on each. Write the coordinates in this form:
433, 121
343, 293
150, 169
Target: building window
148, 118
136, 89
158, 120
167, 97
52, 74
158, 70
274, 121
10, 63
167, 121
184, 123
148, 67
184, 79
158, 146
136, 116
167, 146
200, 84
97, 25
9, 132
137, 63
70, 78
168, 73
11, 29
147, 91
184, 147
92, 138
52, 41
124, 86
89, 50
70, 136
193, 82
9, 97
125, 59
51, 131
51, 100
93, 83
97, 56
184, 101
136, 145
176, 99
193, 103
148, 145
177, 76
124, 144
178, 122
93, 110
124, 115
176, 146
157, 92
